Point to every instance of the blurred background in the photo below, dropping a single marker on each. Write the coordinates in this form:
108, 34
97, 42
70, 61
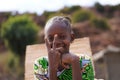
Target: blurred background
22, 23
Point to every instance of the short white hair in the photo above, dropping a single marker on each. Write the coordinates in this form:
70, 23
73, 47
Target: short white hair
59, 19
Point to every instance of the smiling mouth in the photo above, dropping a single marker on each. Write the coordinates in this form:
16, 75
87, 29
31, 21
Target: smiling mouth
60, 45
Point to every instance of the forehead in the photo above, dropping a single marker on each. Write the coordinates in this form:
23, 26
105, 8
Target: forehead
57, 28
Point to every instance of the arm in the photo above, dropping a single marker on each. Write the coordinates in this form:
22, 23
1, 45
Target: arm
53, 66
54, 59
74, 61
52, 73
76, 70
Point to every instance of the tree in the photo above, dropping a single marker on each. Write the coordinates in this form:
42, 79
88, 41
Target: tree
99, 7
69, 10
81, 16
100, 23
19, 31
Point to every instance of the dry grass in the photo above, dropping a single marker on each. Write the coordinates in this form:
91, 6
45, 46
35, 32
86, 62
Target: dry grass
9, 67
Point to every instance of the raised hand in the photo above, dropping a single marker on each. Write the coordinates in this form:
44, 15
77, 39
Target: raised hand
54, 54
54, 58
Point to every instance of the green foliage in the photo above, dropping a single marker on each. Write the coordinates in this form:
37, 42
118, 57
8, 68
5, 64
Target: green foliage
18, 32
11, 67
99, 7
117, 7
111, 9
47, 14
107, 10
80, 16
100, 23
69, 10
63, 12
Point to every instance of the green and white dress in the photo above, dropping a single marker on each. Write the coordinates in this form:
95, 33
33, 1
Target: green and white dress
41, 66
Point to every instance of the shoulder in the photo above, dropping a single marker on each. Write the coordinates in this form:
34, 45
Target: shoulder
41, 59
41, 68
40, 63
85, 59
87, 67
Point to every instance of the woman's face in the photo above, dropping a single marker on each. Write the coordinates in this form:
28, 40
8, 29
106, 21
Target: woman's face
63, 36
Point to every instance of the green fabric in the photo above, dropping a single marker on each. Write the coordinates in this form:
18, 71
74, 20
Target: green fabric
43, 61
35, 67
87, 74
66, 75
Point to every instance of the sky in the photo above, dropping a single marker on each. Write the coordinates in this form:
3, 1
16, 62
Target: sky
39, 6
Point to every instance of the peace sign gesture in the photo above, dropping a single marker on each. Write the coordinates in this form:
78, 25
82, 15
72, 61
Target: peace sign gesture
54, 54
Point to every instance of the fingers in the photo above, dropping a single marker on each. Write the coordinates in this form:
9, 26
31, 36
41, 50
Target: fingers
60, 49
59, 58
57, 55
54, 41
66, 65
66, 60
54, 58
47, 45
53, 44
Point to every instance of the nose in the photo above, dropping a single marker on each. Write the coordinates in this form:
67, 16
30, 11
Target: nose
56, 39
57, 42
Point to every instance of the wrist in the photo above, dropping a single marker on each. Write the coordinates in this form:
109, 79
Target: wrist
74, 59
52, 73
53, 68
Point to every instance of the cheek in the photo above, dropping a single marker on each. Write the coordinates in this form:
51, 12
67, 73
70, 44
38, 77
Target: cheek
50, 44
67, 42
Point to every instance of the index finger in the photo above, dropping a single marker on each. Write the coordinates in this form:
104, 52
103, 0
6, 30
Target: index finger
47, 45
54, 41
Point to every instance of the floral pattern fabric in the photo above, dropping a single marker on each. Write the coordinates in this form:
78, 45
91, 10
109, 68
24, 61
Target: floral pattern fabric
41, 69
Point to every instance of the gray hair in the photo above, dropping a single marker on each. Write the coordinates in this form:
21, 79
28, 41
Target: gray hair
66, 21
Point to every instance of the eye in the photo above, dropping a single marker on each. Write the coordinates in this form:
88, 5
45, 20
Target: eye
50, 38
62, 36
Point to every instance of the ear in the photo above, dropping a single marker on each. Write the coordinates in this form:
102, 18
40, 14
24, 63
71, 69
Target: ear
72, 37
